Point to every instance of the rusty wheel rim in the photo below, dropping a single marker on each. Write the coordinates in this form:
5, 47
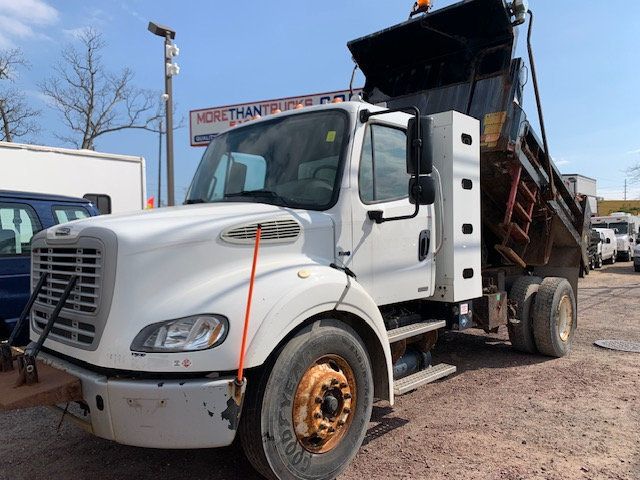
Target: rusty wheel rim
324, 403
565, 318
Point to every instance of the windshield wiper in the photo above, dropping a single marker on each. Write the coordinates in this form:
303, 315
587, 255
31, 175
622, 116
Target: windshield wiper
258, 193
191, 201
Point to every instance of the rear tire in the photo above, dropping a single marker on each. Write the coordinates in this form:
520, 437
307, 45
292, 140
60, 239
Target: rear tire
554, 317
599, 261
324, 436
523, 293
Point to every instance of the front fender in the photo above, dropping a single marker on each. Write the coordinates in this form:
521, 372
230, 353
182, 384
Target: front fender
324, 290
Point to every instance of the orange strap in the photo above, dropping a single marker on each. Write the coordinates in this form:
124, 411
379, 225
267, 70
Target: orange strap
248, 311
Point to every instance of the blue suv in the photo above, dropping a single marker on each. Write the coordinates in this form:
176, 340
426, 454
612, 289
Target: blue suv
22, 215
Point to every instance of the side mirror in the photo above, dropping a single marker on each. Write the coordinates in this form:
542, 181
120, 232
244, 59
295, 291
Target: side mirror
422, 190
425, 151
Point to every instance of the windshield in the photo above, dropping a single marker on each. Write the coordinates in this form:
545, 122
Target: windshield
290, 161
621, 228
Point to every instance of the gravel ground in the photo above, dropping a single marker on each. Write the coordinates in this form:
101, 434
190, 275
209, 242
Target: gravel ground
504, 415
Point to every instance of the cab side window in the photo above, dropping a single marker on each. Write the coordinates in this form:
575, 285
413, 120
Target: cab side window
18, 224
383, 176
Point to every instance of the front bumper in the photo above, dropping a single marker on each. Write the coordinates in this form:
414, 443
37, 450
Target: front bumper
187, 413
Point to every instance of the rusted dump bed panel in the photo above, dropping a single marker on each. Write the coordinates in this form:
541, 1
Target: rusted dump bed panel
461, 58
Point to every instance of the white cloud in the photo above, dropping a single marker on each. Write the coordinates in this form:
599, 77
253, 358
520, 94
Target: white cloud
561, 162
32, 11
73, 32
20, 20
634, 152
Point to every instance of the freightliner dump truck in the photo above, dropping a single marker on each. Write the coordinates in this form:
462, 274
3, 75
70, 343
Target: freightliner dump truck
320, 253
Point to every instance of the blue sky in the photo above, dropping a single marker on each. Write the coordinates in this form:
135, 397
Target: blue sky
587, 55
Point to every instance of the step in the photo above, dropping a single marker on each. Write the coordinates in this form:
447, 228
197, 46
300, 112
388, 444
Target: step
414, 330
520, 211
428, 375
527, 192
516, 232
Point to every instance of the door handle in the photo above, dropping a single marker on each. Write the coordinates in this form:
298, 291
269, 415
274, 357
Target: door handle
424, 240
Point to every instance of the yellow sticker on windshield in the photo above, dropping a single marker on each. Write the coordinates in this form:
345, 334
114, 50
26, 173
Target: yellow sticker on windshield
331, 136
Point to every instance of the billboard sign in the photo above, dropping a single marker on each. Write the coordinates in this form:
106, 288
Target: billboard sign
206, 123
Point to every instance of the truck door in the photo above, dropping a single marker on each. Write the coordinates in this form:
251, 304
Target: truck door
392, 260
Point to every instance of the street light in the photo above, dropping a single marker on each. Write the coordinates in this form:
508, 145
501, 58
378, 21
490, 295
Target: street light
170, 69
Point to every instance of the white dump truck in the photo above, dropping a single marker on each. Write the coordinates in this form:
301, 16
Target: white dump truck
320, 253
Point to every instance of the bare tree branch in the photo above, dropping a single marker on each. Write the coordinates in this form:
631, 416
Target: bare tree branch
93, 101
17, 118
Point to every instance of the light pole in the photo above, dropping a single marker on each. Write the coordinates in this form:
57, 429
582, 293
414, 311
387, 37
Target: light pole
160, 164
170, 69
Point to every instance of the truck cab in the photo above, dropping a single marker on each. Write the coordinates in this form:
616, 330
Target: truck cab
626, 228
22, 215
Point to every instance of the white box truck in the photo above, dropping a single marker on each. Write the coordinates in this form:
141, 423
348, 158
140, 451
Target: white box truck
320, 252
627, 232
114, 183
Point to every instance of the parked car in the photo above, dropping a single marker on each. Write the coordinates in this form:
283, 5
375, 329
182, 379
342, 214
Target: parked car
595, 250
609, 244
22, 215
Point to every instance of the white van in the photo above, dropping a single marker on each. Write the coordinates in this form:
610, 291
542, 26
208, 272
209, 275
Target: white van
609, 244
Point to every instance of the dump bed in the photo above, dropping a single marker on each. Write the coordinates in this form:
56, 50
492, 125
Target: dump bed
462, 58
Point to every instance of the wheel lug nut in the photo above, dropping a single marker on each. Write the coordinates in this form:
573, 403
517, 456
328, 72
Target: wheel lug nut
318, 399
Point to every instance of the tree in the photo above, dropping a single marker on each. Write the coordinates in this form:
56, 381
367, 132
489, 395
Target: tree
634, 173
93, 101
16, 117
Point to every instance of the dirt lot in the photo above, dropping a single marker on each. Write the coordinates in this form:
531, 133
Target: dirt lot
502, 416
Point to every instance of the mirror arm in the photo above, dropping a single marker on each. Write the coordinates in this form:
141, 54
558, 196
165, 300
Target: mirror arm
378, 215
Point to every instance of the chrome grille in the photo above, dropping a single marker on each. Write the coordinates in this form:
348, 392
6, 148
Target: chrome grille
72, 330
60, 263
91, 258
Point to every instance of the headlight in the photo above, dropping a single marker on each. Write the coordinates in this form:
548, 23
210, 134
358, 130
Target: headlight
182, 335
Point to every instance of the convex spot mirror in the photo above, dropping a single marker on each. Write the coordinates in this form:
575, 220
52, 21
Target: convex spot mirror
422, 190
425, 153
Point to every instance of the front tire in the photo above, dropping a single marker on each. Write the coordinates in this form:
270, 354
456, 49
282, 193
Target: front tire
554, 317
306, 416
599, 261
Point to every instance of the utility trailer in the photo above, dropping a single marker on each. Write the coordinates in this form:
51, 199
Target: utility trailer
320, 254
